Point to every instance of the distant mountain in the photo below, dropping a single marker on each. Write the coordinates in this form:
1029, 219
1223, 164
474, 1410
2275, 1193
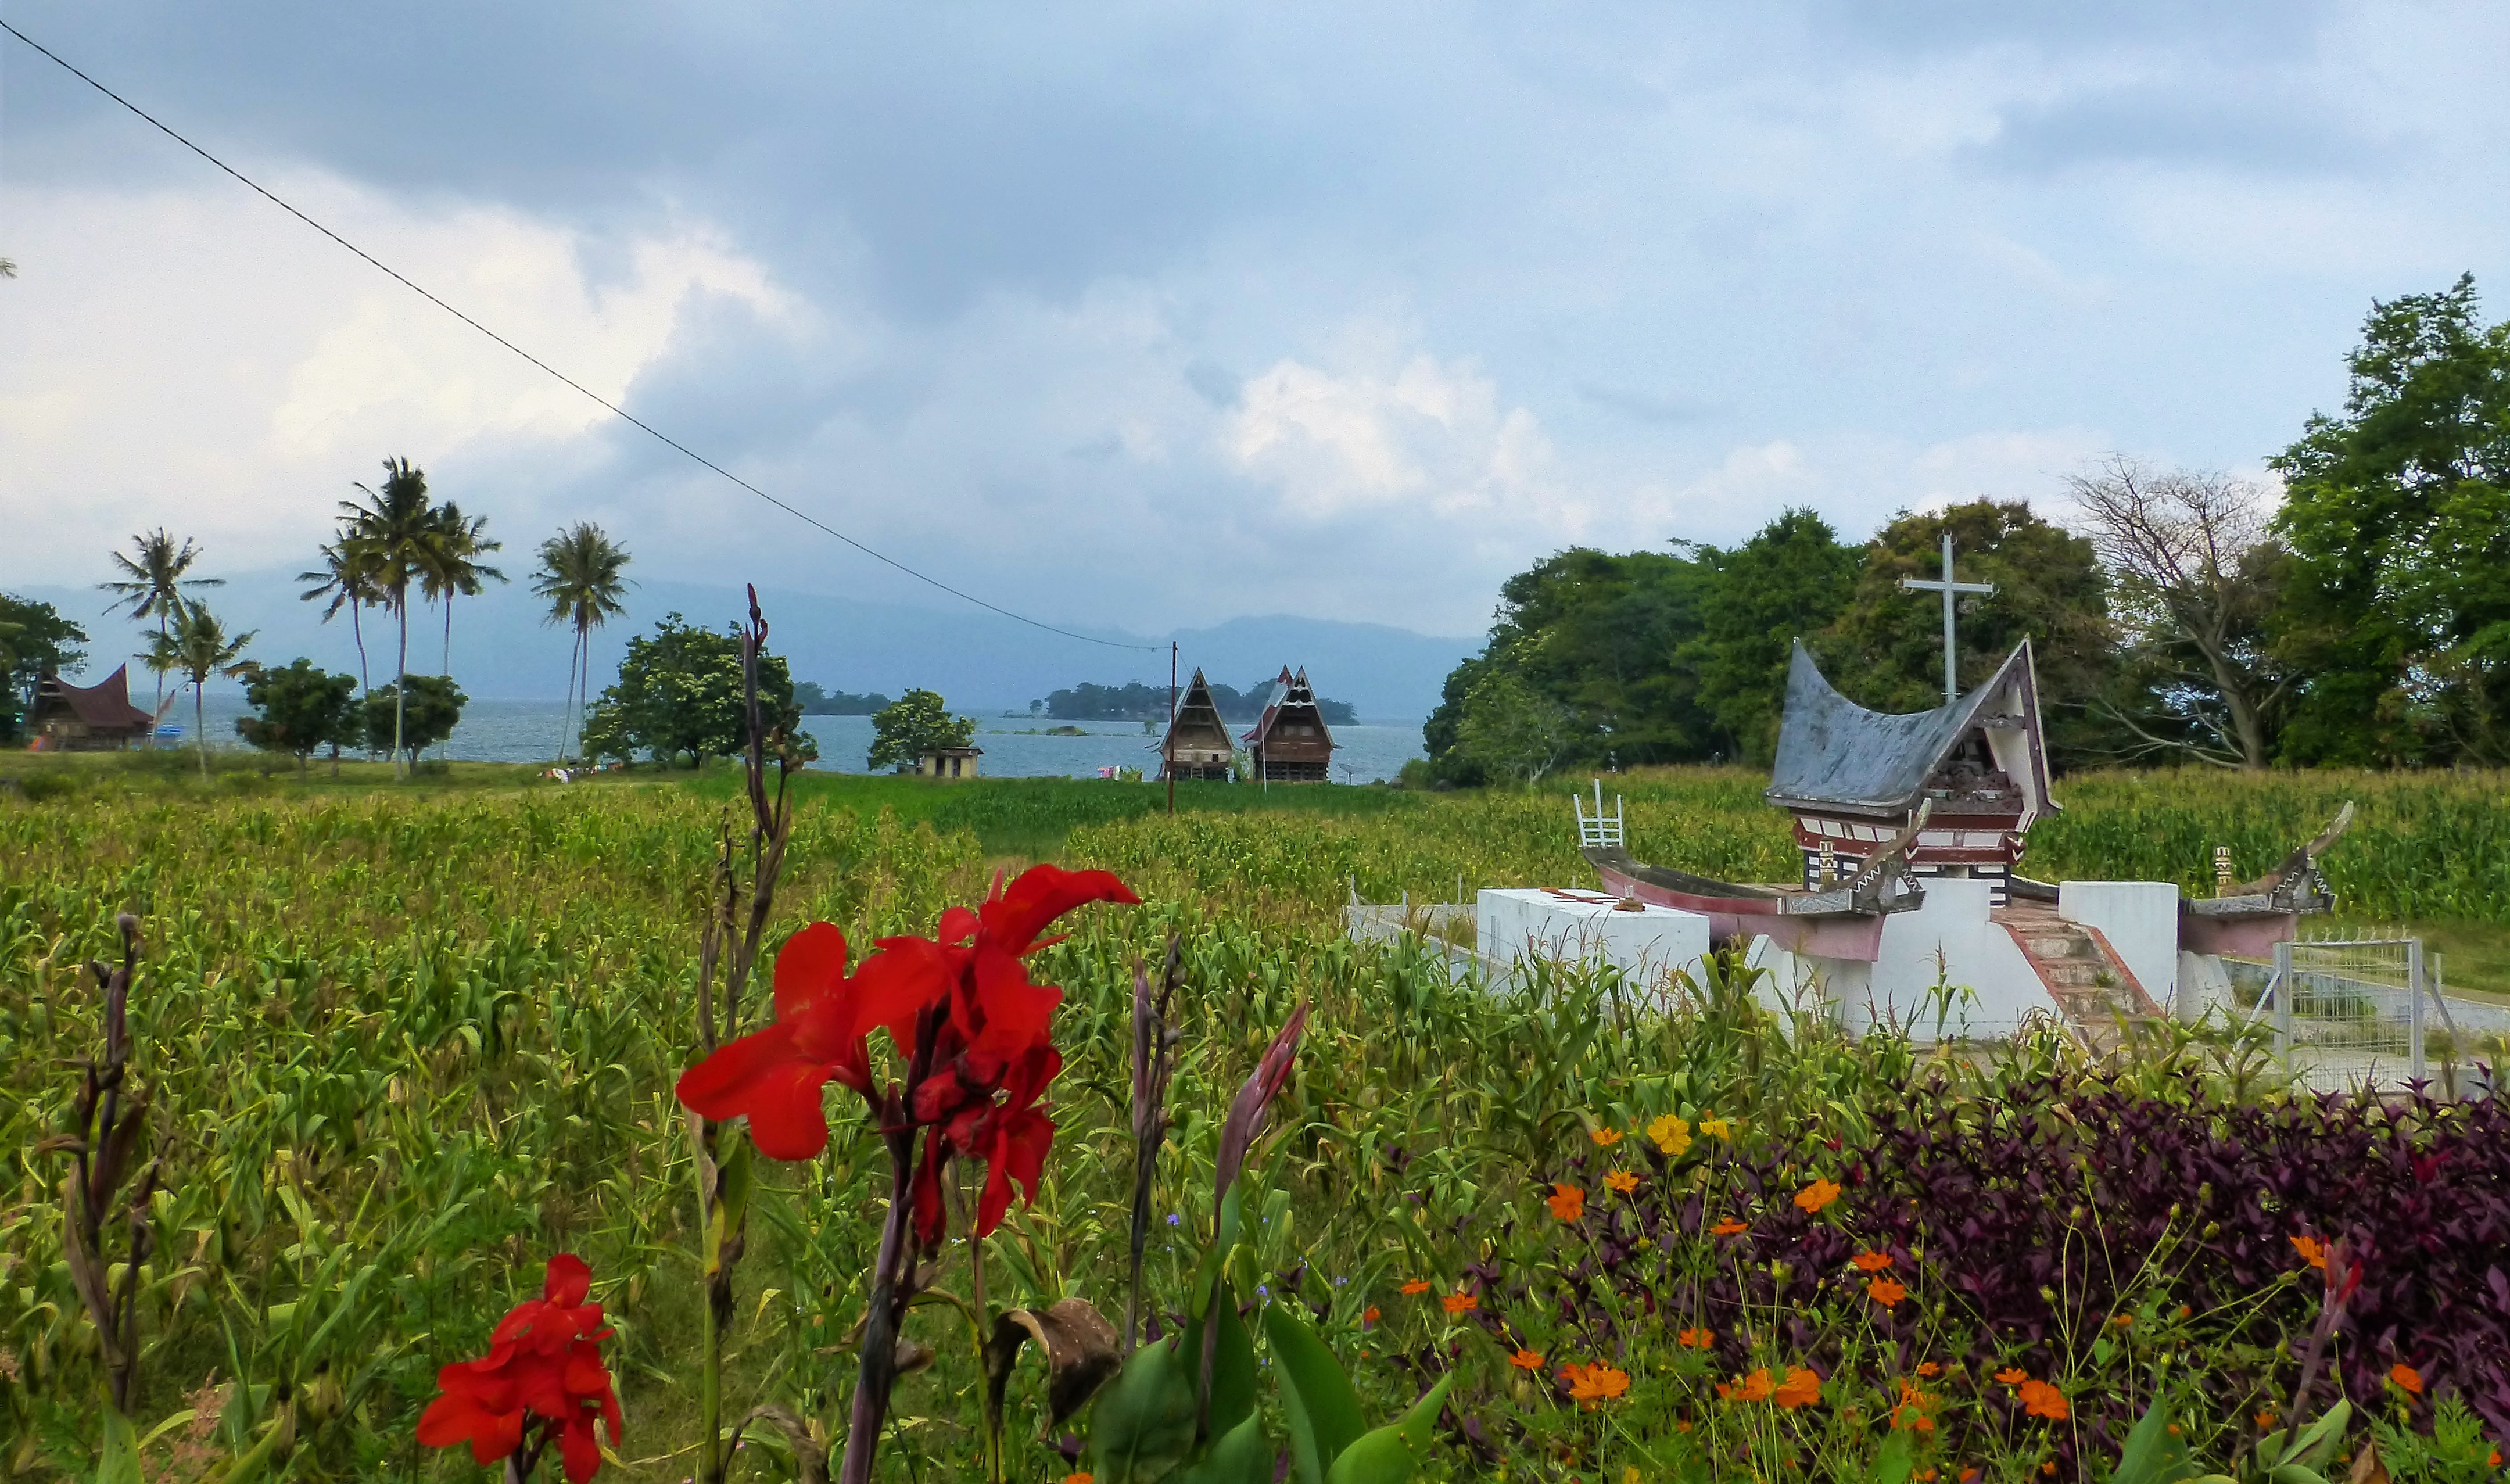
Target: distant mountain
980, 661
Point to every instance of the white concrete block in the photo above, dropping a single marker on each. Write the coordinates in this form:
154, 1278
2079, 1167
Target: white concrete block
2141, 921
1514, 924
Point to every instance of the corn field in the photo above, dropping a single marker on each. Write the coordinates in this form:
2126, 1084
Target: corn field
397, 1048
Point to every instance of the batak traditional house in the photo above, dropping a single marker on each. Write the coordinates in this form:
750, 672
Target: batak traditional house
1198, 745
1853, 779
1290, 744
87, 718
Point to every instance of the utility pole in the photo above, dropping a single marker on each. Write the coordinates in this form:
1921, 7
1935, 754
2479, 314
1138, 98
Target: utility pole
1949, 589
1167, 764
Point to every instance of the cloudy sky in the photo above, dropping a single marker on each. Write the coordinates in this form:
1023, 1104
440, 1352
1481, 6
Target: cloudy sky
1147, 316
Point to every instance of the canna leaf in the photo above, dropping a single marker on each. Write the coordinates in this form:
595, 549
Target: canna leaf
1389, 1455
117, 1462
1242, 1456
1141, 1427
1323, 1410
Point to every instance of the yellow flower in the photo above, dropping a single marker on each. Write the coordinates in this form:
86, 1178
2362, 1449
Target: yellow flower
1622, 1181
1672, 1134
1716, 1128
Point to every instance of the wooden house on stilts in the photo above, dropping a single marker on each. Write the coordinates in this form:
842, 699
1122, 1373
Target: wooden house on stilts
1290, 744
1197, 744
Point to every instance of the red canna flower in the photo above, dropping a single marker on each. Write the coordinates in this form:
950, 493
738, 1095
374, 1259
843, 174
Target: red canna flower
966, 986
544, 1365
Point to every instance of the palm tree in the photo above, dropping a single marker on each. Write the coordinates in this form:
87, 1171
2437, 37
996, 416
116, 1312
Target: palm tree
198, 646
451, 570
391, 532
152, 584
580, 575
348, 580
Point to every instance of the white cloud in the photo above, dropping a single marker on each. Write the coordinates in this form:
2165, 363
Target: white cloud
194, 358
1432, 436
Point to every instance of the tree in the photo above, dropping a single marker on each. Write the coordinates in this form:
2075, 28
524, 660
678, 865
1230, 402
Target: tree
348, 577
580, 575
451, 567
198, 646
2192, 574
1598, 634
1786, 583
1508, 729
679, 691
2397, 612
153, 585
1886, 649
393, 533
919, 723
414, 715
35, 642
301, 709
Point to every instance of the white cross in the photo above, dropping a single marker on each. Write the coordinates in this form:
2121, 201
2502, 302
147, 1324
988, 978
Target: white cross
1948, 588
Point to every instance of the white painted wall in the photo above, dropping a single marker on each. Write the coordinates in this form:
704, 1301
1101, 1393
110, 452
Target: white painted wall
2141, 921
1899, 985
1513, 924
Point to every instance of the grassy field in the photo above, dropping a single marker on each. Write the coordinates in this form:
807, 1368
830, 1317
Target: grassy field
403, 1041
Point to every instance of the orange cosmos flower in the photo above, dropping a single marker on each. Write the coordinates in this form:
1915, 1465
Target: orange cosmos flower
1606, 1137
1461, 1303
2123, 1320
1815, 1197
1622, 1181
2265, 1419
1801, 1388
1885, 1291
1596, 1383
1414, 1287
1696, 1339
2407, 1377
1567, 1201
1872, 1262
2041, 1399
1369, 1314
2311, 1251
1730, 1226
1756, 1386
1080, 1479
1929, 1368
2012, 1375
1526, 1361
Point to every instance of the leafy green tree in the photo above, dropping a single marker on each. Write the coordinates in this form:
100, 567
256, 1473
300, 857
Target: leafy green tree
1784, 583
302, 707
35, 642
581, 574
197, 646
1598, 634
1886, 649
920, 722
679, 692
153, 586
2396, 614
1510, 730
415, 715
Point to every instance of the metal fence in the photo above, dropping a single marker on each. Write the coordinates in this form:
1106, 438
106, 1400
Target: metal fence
2359, 1013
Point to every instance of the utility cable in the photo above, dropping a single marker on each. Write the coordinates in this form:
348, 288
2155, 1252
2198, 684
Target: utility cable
606, 403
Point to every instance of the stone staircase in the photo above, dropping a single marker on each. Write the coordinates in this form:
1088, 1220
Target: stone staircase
2090, 984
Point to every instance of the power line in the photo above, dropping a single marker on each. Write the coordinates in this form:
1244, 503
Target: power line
606, 403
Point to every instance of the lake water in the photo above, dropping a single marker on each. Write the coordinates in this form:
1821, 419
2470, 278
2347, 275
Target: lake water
527, 732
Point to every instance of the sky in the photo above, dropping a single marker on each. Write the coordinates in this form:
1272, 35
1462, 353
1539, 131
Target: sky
1139, 317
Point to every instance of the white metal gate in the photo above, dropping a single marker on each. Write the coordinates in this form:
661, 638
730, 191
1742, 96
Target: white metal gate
2351, 1012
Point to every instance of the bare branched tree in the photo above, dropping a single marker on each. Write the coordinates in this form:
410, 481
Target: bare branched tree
2190, 558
